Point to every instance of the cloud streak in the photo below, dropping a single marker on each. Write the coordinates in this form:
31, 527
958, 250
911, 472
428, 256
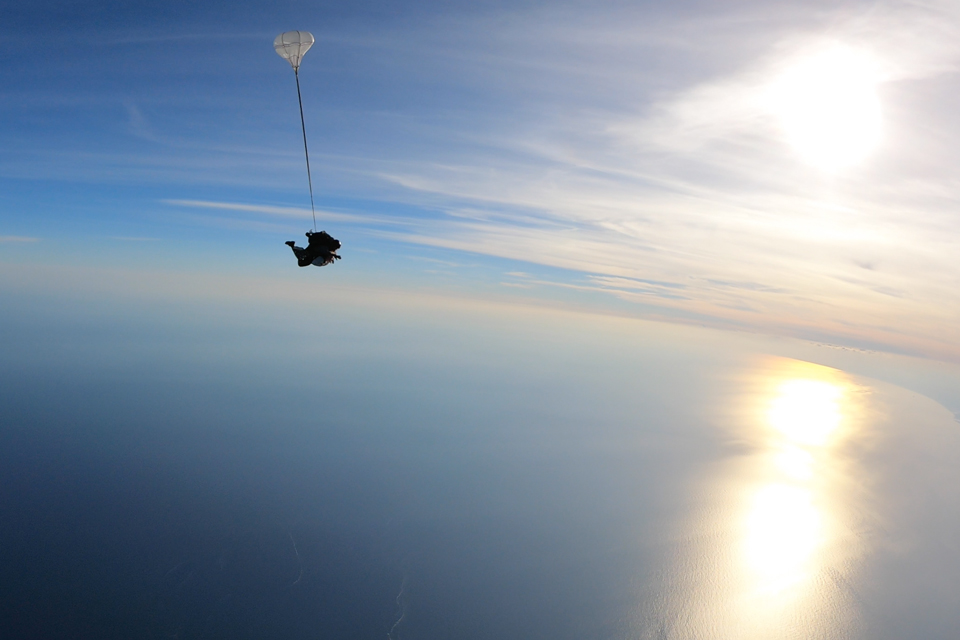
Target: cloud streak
288, 212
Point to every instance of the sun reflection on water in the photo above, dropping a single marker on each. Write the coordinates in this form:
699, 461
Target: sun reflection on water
789, 521
774, 540
806, 412
784, 531
784, 525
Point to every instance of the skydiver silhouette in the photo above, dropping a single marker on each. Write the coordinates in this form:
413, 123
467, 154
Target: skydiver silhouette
321, 249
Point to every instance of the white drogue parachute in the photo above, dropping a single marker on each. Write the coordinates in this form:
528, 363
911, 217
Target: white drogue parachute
291, 46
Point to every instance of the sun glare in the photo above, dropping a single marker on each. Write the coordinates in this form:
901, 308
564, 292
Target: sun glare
806, 412
785, 537
828, 107
783, 534
806, 409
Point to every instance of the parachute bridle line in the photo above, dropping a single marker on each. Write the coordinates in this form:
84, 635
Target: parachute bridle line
306, 152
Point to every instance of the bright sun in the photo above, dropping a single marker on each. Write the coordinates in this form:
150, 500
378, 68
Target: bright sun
828, 107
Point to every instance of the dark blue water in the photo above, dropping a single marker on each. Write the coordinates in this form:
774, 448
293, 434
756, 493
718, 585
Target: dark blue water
169, 477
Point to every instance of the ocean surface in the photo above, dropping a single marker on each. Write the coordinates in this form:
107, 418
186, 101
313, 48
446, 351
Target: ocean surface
241, 467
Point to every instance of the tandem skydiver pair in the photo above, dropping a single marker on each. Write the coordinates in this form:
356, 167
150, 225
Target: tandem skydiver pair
321, 249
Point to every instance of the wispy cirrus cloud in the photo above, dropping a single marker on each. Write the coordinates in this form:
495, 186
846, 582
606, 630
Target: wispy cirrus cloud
696, 188
290, 212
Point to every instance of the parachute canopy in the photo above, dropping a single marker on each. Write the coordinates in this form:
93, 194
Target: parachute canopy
292, 45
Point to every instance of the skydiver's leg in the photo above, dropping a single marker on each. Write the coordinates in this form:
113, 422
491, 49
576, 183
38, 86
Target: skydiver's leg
303, 259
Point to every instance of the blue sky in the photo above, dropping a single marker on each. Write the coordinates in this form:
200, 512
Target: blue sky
618, 157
